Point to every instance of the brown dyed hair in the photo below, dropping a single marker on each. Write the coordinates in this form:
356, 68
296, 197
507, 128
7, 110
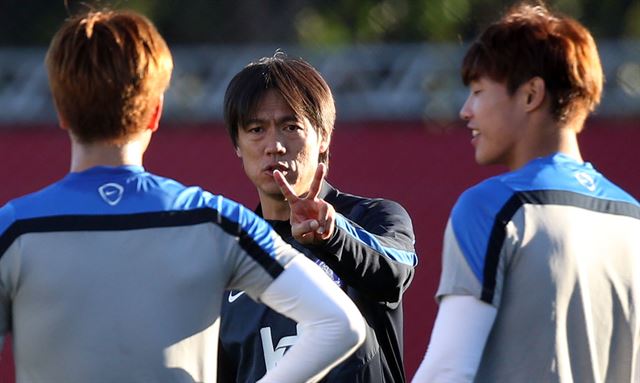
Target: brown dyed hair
299, 83
107, 71
530, 41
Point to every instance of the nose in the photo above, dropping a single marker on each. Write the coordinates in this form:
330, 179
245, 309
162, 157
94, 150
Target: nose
274, 146
465, 111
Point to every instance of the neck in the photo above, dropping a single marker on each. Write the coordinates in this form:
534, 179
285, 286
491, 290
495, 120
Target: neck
568, 143
274, 208
546, 139
85, 156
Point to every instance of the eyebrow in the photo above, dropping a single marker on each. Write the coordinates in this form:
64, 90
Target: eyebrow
289, 118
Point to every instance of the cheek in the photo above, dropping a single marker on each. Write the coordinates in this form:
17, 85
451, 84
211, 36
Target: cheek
309, 156
305, 161
248, 159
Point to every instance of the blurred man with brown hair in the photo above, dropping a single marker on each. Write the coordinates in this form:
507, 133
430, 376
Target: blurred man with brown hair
541, 265
114, 274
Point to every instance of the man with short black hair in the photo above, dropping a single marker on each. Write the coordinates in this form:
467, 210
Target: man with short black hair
279, 112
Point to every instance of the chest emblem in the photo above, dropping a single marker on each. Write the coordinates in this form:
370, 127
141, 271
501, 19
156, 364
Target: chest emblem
111, 193
586, 180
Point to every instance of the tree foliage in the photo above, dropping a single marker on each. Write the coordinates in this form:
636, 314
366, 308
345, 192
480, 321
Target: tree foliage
310, 22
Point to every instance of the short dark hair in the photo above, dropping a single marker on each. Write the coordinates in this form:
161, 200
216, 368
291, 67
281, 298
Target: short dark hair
106, 71
530, 41
299, 83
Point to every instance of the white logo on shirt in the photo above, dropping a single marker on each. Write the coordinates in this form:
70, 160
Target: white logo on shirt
586, 180
273, 355
111, 193
233, 297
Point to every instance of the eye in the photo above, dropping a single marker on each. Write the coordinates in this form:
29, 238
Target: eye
292, 128
254, 129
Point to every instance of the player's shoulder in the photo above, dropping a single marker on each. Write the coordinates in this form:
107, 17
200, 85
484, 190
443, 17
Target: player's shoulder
485, 198
30, 205
195, 197
345, 203
35, 203
7, 217
190, 197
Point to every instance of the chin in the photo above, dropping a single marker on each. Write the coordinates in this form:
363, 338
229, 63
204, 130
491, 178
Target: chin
480, 160
484, 161
270, 189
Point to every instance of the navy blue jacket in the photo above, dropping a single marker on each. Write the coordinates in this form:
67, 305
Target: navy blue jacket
371, 256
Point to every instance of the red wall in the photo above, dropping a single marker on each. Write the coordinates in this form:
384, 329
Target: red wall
424, 168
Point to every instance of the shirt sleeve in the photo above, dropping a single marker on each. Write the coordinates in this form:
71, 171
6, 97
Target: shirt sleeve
459, 335
483, 234
456, 277
373, 250
8, 271
258, 254
331, 326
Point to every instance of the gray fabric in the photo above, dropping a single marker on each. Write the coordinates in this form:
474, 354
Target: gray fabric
567, 293
133, 305
457, 277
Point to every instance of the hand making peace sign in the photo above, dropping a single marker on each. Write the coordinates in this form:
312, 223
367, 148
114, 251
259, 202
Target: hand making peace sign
312, 219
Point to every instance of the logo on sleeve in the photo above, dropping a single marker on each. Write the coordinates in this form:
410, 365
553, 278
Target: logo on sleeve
233, 296
111, 193
272, 355
586, 180
334, 277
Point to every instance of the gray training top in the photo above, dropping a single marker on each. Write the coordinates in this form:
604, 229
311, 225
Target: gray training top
117, 275
555, 247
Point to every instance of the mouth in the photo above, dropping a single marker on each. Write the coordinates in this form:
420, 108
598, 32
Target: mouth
269, 169
475, 135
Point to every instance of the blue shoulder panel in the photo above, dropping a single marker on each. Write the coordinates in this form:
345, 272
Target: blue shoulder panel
473, 217
7, 217
118, 194
255, 227
561, 172
476, 211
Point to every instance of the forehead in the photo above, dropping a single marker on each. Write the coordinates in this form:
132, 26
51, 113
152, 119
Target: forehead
487, 82
270, 104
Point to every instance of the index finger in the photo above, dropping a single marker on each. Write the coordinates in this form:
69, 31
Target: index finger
284, 186
317, 181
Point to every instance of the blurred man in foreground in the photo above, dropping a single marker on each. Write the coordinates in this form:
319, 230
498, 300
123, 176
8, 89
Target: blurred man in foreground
541, 265
280, 113
114, 274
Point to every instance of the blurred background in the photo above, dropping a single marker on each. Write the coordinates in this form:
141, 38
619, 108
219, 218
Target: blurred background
393, 66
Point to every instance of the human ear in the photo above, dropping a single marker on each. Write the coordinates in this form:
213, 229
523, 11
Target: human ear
62, 122
238, 153
534, 93
155, 117
324, 143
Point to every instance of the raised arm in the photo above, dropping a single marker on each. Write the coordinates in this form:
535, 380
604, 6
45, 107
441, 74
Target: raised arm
271, 271
372, 249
